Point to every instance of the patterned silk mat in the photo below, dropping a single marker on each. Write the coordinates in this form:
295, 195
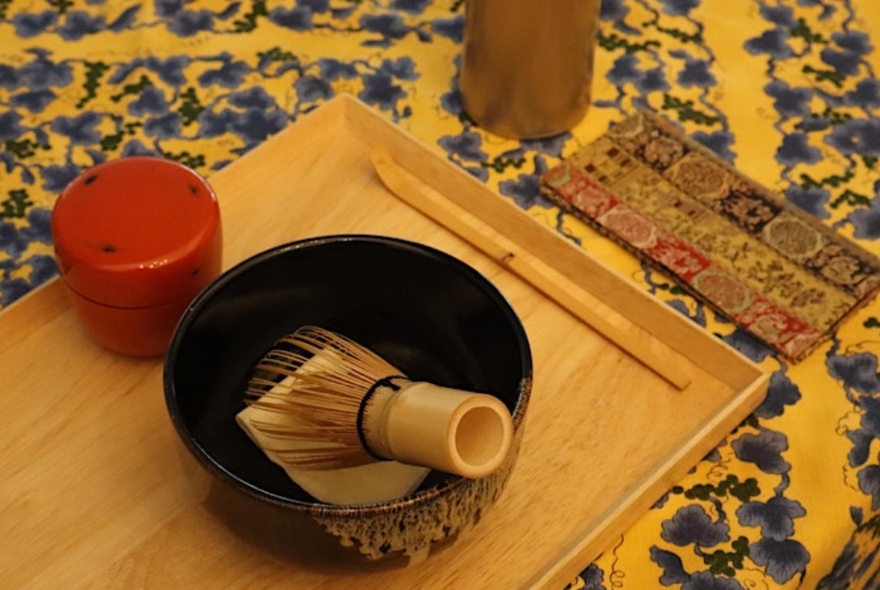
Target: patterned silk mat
758, 260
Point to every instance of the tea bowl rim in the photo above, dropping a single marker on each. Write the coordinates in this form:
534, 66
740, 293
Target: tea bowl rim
317, 508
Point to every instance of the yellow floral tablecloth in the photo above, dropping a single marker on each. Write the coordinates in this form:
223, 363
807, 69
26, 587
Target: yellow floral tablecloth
784, 89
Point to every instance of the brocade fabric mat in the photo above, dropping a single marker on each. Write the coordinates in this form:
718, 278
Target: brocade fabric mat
756, 259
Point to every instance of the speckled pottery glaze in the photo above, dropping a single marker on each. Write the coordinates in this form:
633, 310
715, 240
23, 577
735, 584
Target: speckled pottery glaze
428, 313
430, 516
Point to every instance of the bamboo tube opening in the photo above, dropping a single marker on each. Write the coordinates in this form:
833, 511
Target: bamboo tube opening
480, 438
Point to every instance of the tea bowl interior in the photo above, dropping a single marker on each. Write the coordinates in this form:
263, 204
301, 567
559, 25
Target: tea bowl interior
429, 314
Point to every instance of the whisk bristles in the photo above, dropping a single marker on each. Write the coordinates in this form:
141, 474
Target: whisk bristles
319, 379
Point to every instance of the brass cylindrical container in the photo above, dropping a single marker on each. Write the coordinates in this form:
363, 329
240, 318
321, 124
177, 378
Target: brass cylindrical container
527, 67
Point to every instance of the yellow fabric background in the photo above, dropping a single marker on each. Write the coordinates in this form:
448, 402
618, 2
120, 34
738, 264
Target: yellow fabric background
821, 477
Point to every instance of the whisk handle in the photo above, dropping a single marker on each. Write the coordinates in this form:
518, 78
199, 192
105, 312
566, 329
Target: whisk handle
456, 431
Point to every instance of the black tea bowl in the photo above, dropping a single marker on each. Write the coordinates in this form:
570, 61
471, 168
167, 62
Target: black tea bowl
426, 312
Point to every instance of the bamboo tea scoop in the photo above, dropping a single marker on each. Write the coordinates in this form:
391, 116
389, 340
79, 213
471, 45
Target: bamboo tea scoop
641, 345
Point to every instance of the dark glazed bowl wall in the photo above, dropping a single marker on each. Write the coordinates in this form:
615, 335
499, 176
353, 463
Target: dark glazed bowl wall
429, 314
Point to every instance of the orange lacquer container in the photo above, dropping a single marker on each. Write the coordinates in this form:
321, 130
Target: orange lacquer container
136, 239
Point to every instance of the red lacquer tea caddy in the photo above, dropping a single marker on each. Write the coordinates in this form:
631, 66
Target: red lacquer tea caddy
136, 239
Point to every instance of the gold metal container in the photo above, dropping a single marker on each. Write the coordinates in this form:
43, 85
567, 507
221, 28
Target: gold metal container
527, 68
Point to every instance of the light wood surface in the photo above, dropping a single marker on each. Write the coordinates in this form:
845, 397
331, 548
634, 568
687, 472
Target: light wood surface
95, 491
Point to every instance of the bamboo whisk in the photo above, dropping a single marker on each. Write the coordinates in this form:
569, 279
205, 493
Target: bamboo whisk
351, 407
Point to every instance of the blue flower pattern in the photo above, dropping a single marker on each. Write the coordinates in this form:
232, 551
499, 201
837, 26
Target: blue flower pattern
162, 98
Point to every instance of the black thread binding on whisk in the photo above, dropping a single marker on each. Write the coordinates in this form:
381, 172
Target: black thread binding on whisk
383, 382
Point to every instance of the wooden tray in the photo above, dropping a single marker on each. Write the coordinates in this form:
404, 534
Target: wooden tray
95, 492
